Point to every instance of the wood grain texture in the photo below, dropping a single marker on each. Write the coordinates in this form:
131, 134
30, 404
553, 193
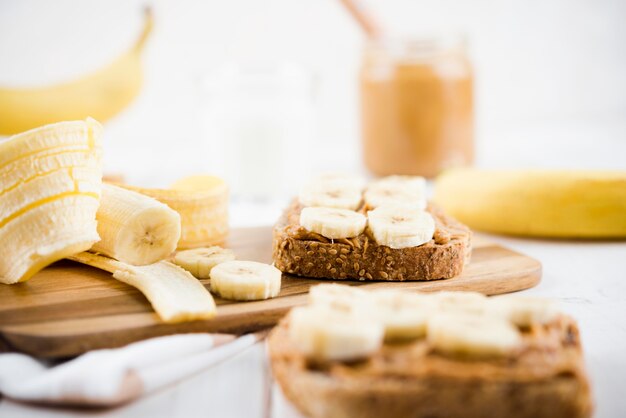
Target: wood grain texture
68, 308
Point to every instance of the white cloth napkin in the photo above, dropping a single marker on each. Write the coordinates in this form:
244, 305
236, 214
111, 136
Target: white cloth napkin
113, 376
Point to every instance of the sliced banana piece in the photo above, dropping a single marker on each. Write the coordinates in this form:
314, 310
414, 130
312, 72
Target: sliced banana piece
135, 229
401, 226
200, 261
332, 222
331, 195
346, 180
525, 311
471, 303
397, 190
348, 299
327, 334
472, 335
403, 314
174, 293
245, 280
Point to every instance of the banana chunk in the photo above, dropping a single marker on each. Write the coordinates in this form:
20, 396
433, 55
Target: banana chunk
200, 261
403, 314
348, 299
332, 222
135, 229
524, 311
245, 280
397, 190
401, 226
470, 335
331, 194
327, 334
174, 293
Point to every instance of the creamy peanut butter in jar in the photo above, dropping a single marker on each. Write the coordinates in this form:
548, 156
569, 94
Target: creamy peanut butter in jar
417, 109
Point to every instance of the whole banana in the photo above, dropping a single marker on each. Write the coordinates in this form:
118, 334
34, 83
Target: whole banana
101, 94
543, 203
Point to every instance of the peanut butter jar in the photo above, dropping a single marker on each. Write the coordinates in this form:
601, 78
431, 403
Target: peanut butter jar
417, 108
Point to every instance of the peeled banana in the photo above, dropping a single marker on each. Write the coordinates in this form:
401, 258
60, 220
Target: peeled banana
333, 191
101, 94
50, 183
542, 203
202, 202
245, 280
200, 261
134, 228
175, 294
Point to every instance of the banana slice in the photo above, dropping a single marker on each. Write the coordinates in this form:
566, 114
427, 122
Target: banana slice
472, 303
348, 299
202, 202
403, 314
174, 293
400, 226
349, 181
397, 190
245, 280
472, 335
330, 195
200, 261
525, 311
135, 229
327, 334
333, 223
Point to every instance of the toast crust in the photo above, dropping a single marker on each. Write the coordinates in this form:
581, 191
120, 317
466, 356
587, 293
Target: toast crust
546, 378
305, 253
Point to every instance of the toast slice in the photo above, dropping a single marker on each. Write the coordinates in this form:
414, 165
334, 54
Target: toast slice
308, 254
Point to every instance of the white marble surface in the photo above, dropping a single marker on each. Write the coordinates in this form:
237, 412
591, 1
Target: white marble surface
588, 277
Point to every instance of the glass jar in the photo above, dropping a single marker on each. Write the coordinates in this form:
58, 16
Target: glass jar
417, 108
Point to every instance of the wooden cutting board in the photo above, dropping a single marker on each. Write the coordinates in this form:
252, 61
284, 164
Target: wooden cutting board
69, 308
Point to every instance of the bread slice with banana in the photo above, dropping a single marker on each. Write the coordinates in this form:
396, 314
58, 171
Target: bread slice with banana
340, 228
408, 354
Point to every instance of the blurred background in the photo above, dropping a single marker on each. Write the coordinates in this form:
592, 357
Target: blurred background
549, 84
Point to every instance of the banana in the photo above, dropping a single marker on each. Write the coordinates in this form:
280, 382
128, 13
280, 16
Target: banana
400, 226
202, 202
472, 335
525, 311
349, 181
245, 280
397, 190
332, 194
200, 261
174, 293
344, 298
542, 203
101, 94
48, 201
327, 334
134, 228
403, 314
471, 303
332, 222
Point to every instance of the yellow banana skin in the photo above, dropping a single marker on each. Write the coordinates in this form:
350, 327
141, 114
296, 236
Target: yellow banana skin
539, 203
101, 94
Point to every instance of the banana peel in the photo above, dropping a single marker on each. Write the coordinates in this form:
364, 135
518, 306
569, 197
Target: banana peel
537, 203
101, 94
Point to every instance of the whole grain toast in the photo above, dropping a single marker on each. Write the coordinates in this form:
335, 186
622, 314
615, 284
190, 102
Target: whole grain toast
545, 379
308, 254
